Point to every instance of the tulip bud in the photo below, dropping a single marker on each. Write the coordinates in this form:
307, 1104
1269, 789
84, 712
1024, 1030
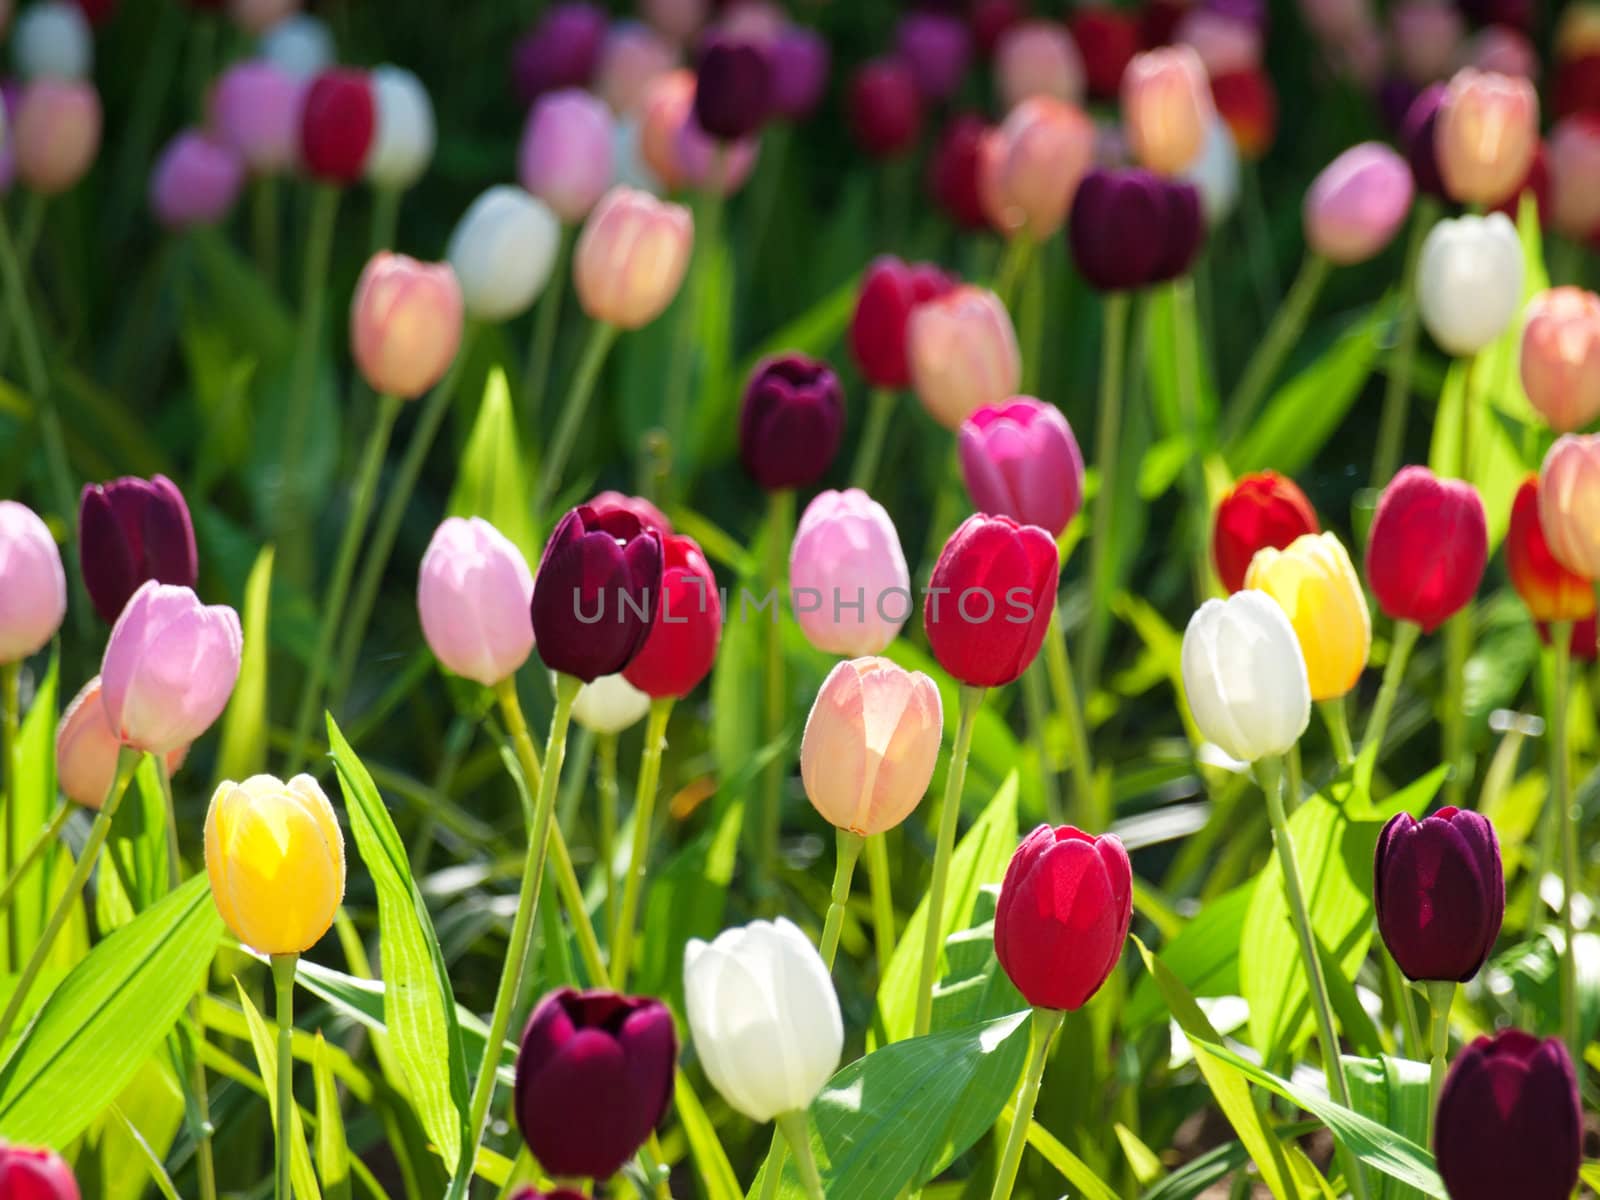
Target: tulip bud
1021, 460
963, 354
732, 89
1550, 591
790, 421
890, 291
799, 60
337, 123
1063, 915
593, 1078
631, 257
1316, 586
56, 134
955, 168
1469, 281
1439, 893
473, 593
195, 181
677, 19
609, 704
565, 156
1107, 38
29, 1174
561, 51
1509, 1121
643, 511
255, 17
764, 1017
1427, 547
405, 324
1561, 357
1244, 676
682, 644
1569, 497
52, 40
1131, 228
131, 530
596, 592
1501, 51
1166, 108
1574, 158
990, 599
300, 45
1030, 166
632, 57
1488, 128
678, 151
885, 109
403, 143
87, 749
870, 744
1248, 104
1357, 204
503, 250
846, 558
33, 585
275, 856
1221, 40
937, 48
255, 108
1419, 138
1261, 510
1038, 58
1426, 37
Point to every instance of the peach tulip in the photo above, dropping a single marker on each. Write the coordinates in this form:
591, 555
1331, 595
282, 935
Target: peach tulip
1561, 357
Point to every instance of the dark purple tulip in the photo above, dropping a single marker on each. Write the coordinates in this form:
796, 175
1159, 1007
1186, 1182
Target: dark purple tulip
791, 422
562, 50
131, 530
1396, 95
1416, 140
596, 592
1130, 228
1508, 1122
1440, 893
594, 1074
936, 46
733, 89
1184, 229
799, 60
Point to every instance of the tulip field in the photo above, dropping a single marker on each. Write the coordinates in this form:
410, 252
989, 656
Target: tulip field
796, 600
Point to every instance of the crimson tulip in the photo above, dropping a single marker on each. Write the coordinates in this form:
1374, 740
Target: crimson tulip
1551, 591
27, 1174
954, 168
1266, 509
683, 641
596, 592
890, 289
791, 421
1440, 893
1108, 39
131, 530
885, 108
1427, 547
338, 119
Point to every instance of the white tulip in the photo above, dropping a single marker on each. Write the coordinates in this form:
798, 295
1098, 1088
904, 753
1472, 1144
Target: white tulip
764, 1017
1215, 174
403, 142
609, 705
1469, 281
1245, 676
503, 250
53, 41
300, 45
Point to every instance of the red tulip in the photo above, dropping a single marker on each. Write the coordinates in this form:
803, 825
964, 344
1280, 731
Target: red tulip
1550, 590
1063, 915
1108, 39
683, 641
990, 599
337, 122
885, 108
1260, 510
35, 1175
889, 291
1247, 101
1427, 547
954, 168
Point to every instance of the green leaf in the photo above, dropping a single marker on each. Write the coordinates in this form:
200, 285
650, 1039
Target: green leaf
333, 1155
1073, 1169
262, 1040
148, 1157
1204, 957
242, 751
419, 1007
106, 1018
493, 480
157, 1099
1394, 1093
710, 1159
28, 810
974, 988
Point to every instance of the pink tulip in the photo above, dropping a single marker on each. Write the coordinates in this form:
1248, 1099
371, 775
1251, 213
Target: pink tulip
169, 667
850, 588
1569, 502
1487, 134
33, 586
1357, 204
255, 108
57, 134
565, 156
1224, 42
1502, 51
405, 324
1574, 151
678, 19
1166, 108
474, 597
678, 152
1561, 357
631, 257
699, 164
1030, 166
195, 182
632, 58
1038, 58
1021, 460
1427, 38
87, 748
963, 353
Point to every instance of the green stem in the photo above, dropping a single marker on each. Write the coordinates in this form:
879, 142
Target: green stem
1401, 995
780, 524
10, 723
849, 850
1035, 698
1019, 252
606, 786
881, 883
385, 218
264, 227
344, 566
1566, 828
1258, 241
164, 778
283, 966
949, 817
43, 842
1441, 994
681, 365
870, 452
1453, 739
1338, 723
795, 1132
1397, 383
1108, 444
1185, 331
573, 408
536, 373
1287, 326
1030, 322
1394, 672
1045, 1023
644, 808
567, 883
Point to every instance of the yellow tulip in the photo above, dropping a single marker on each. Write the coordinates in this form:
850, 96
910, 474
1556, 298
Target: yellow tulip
276, 861
1315, 585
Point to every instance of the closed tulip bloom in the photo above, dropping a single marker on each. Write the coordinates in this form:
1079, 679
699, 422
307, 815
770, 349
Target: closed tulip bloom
131, 530
885, 108
1569, 499
301, 45
1223, 41
337, 123
1509, 1121
1245, 676
646, 513
29, 1174
1574, 157
1427, 36
632, 58
955, 168
405, 324
1439, 893
890, 291
1021, 460
1358, 203
705, 164
1130, 228
1166, 108
1488, 129
1266, 509
1469, 281
732, 95
1031, 165
1315, 584
87, 749
275, 856
561, 51
870, 744
1550, 591
1561, 357
1107, 38
33, 585
678, 19
565, 156
1247, 102
56, 134
1062, 920
403, 143
1038, 58
609, 704
473, 595
963, 354
764, 1017
503, 250
990, 599
255, 108
850, 589
195, 181
593, 1078
1427, 547
631, 257
682, 644
937, 47
667, 105
52, 40
790, 421
799, 60
596, 593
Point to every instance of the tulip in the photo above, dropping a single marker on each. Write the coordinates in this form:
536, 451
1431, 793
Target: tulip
565, 156
1574, 150
1038, 58
799, 61
1561, 357
631, 257
1577, 86
1501, 51
1419, 138
682, 644
846, 558
33, 585
1215, 174
1261, 510
1569, 496
1166, 108
87, 749
595, 593
632, 57
990, 599
29, 1174
644, 512
937, 47
609, 705
338, 121
955, 168
885, 108
677, 19
594, 1075
1248, 104
1245, 677
52, 40
1021, 460
255, 108
1030, 166
1469, 281
275, 857
195, 181
560, 52
1357, 204
1315, 584
503, 250
1222, 41
56, 134
300, 45
255, 17
1107, 38
403, 143
764, 1017
129, 531
1550, 591
963, 354
1509, 1120
678, 151
1129, 229
1439, 893
169, 667
732, 95
1426, 36
790, 421
1488, 128
1426, 548
890, 291
474, 590
405, 324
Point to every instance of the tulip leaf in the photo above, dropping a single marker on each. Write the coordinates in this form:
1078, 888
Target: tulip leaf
418, 1004
101, 1024
333, 1155
974, 988
1204, 956
263, 1041
242, 751
29, 808
148, 1158
493, 480
1394, 1093
710, 1159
